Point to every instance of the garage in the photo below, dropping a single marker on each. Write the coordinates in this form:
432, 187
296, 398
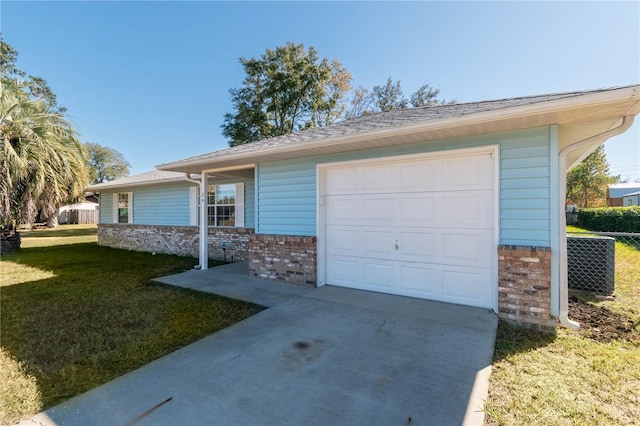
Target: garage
420, 226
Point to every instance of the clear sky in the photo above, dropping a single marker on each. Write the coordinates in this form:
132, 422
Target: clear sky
151, 79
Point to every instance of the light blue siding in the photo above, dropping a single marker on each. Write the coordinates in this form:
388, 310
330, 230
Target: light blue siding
287, 190
169, 204
161, 205
525, 188
106, 207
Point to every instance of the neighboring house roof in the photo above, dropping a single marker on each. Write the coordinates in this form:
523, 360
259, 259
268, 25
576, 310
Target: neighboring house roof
601, 109
633, 194
153, 177
619, 190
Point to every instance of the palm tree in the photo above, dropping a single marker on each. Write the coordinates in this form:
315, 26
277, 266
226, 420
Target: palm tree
42, 163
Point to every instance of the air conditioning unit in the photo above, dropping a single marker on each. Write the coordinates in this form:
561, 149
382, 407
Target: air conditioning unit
591, 263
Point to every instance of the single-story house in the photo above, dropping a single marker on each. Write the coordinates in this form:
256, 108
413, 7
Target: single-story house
458, 203
632, 199
617, 191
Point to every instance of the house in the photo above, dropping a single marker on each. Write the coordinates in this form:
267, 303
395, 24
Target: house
632, 199
80, 213
617, 191
456, 203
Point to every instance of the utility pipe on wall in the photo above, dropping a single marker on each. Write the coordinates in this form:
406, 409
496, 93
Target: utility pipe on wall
627, 121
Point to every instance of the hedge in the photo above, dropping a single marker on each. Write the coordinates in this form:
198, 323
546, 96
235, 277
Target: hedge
610, 219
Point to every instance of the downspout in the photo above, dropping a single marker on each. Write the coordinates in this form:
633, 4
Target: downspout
627, 121
202, 226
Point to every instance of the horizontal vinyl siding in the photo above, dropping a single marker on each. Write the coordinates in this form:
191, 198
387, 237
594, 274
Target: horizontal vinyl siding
287, 189
161, 205
525, 189
287, 198
106, 207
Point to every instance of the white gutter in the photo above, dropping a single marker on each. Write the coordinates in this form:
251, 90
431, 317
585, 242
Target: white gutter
627, 121
203, 252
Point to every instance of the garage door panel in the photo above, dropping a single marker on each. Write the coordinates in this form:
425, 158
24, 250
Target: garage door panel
469, 172
342, 239
377, 243
419, 175
377, 211
467, 286
417, 211
378, 275
377, 178
343, 210
343, 271
342, 180
468, 209
417, 246
419, 279
472, 248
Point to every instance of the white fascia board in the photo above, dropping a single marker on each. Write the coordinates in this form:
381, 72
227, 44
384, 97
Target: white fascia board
136, 184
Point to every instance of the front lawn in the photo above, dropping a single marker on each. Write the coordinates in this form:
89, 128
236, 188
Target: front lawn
75, 316
587, 377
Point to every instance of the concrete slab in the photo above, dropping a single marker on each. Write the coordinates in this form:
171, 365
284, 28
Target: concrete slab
327, 356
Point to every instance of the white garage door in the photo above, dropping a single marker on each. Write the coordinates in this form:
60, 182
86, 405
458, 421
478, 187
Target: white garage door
418, 227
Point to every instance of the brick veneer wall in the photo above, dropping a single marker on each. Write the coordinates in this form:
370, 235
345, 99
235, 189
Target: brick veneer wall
524, 287
285, 258
237, 240
179, 240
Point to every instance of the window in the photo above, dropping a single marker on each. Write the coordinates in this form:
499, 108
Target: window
224, 205
123, 207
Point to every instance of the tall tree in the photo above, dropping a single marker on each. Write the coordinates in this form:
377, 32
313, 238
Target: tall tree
587, 182
105, 164
388, 96
285, 90
42, 163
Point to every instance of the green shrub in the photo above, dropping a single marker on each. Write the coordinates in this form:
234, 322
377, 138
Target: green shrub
610, 219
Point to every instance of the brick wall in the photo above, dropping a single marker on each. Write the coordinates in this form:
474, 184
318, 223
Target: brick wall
524, 287
291, 259
237, 240
179, 240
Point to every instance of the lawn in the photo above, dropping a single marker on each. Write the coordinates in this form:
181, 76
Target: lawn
587, 377
74, 316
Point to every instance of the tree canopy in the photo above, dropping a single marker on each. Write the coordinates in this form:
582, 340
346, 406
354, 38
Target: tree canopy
389, 96
286, 89
105, 164
42, 162
587, 182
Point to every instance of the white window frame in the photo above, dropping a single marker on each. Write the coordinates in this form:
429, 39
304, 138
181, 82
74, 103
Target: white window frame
116, 210
238, 205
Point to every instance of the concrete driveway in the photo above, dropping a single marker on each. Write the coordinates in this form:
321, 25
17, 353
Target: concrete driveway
324, 356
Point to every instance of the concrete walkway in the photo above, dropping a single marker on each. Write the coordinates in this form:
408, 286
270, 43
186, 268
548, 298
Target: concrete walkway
323, 356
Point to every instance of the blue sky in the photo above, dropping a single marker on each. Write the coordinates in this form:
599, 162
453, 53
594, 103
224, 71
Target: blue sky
151, 79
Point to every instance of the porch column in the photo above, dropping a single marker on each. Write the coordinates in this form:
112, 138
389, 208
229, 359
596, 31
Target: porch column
204, 227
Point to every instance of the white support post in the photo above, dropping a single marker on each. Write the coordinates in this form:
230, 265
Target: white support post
204, 227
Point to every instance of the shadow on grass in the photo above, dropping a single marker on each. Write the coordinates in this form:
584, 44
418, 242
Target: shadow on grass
512, 340
60, 233
100, 316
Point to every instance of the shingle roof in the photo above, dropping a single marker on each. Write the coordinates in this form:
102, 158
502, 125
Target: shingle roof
154, 176
384, 120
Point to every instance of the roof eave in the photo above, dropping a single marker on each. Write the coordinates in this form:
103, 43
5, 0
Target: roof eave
511, 118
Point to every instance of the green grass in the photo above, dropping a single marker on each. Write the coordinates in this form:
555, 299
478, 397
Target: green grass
63, 234
572, 378
75, 316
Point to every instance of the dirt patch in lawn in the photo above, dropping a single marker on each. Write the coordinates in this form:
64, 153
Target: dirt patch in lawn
601, 324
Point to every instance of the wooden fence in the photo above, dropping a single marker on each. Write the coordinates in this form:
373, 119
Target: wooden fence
79, 217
